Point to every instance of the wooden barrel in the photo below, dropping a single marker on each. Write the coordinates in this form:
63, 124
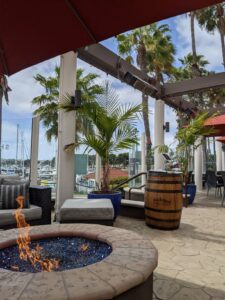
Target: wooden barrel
163, 200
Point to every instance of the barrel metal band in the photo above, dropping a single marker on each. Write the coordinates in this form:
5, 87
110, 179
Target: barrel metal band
163, 191
164, 221
163, 211
164, 182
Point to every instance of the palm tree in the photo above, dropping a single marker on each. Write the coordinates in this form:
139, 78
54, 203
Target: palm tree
160, 54
48, 102
4, 89
212, 18
154, 54
115, 125
136, 41
186, 70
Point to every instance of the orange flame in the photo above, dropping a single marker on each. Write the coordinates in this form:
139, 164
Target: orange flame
84, 248
24, 241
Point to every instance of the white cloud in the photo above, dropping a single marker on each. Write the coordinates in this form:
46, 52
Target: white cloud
24, 88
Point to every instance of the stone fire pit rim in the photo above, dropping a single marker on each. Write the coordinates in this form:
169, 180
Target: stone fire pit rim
132, 261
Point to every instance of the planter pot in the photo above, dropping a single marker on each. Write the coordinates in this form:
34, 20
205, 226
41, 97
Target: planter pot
191, 190
114, 197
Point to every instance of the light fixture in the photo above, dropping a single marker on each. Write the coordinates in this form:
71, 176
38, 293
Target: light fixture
76, 100
166, 127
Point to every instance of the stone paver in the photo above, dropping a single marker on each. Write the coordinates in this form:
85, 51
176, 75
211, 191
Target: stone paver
191, 259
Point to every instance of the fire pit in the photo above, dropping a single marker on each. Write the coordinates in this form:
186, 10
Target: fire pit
69, 252
124, 269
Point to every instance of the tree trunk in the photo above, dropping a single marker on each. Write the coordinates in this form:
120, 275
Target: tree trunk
193, 42
105, 181
145, 114
223, 47
195, 70
145, 109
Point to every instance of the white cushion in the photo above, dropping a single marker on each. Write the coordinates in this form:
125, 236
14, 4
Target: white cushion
86, 209
7, 215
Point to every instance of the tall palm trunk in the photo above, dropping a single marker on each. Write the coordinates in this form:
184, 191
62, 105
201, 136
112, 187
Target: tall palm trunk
223, 47
145, 114
193, 41
145, 110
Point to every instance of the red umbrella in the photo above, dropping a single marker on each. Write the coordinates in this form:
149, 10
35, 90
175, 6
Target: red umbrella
218, 123
32, 31
221, 139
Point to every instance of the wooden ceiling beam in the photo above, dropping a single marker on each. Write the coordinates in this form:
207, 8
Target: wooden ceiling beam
110, 63
194, 85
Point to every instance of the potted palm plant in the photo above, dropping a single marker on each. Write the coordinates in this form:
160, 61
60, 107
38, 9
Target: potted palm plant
189, 136
115, 131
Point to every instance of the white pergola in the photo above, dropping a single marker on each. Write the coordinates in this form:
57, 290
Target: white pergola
169, 94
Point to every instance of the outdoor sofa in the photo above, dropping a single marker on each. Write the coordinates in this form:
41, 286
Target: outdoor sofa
37, 213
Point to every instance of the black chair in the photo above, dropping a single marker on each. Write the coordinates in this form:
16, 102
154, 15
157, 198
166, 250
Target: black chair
222, 173
212, 182
39, 196
190, 179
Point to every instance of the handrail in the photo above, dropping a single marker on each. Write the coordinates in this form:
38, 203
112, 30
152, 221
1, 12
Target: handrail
130, 179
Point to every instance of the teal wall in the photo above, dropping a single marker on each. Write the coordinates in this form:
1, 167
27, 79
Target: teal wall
81, 164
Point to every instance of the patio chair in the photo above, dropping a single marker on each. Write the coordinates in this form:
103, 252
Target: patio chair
222, 173
190, 180
212, 182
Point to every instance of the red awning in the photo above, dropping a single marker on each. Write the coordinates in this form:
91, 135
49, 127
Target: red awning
32, 31
218, 123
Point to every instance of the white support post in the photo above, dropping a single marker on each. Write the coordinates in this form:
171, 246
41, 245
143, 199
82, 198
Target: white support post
143, 158
198, 166
223, 160
218, 156
66, 131
34, 151
159, 163
98, 167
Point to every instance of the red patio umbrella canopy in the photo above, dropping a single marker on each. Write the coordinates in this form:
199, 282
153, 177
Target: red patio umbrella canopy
221, 139
218, 123
32, 31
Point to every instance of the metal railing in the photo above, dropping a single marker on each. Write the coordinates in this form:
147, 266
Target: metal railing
129, 179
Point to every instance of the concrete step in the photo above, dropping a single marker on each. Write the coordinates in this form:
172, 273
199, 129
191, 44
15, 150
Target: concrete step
134, 194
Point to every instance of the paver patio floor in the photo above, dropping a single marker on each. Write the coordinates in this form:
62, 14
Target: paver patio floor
191, 259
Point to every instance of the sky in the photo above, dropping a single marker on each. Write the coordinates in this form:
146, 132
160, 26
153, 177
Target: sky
24, 89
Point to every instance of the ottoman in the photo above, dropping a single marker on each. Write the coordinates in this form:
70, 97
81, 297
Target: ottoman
96, 211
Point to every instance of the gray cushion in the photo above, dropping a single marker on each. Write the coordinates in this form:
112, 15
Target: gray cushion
7, 215
86, 209
9, 193
7, 181
8, 177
